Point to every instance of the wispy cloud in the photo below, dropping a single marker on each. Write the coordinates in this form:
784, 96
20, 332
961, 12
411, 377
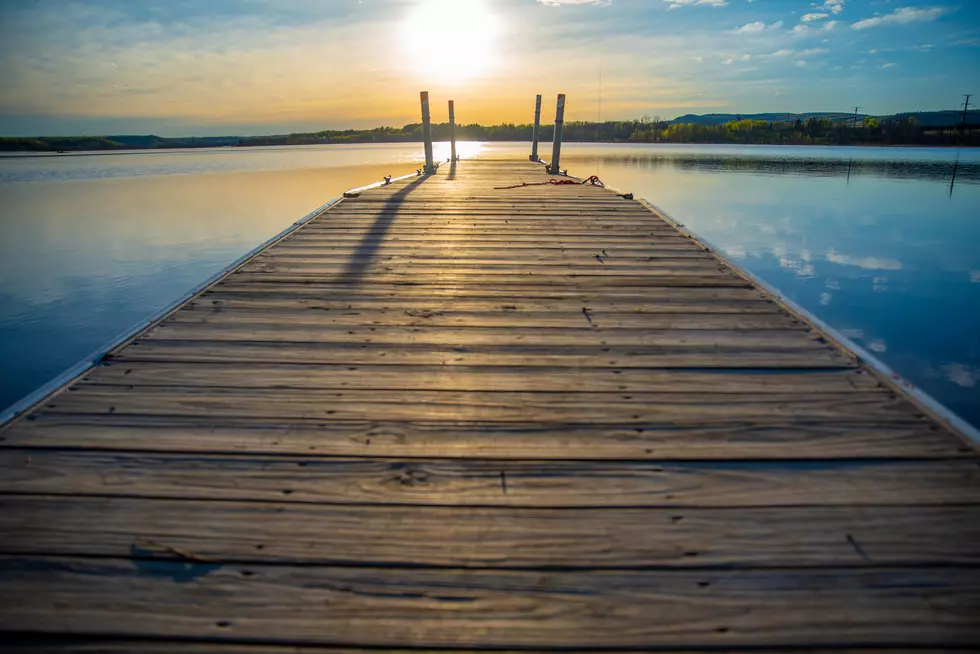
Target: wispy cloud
901, 16
674, 4
558, 3
868, 263
834, 6
757, 27
807, 18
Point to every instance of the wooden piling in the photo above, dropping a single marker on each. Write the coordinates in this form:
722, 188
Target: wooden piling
452, 131
427, 134
555, 167
537, 130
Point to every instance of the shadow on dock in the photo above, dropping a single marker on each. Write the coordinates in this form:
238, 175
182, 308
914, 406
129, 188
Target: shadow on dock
367, 249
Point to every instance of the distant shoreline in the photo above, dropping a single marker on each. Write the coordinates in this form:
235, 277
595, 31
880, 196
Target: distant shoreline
52, 154
932, 129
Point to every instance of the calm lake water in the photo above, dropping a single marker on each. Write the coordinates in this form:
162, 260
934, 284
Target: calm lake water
878, 242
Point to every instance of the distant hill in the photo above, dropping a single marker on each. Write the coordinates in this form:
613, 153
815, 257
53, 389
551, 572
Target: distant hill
942, 118
118, 142
712, 120
923, 118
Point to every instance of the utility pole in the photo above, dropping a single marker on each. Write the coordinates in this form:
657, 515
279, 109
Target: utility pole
856, 109
966, 107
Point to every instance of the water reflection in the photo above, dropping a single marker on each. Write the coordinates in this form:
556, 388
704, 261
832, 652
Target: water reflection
800, 166
83, 261
884, 254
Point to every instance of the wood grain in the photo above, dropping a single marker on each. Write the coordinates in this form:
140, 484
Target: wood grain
256, 532
434, 608
868, 437
474, 482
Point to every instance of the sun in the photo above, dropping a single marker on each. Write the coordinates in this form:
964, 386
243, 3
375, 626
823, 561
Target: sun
451, 41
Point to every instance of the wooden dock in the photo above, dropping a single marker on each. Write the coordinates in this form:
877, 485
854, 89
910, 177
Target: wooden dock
442, 415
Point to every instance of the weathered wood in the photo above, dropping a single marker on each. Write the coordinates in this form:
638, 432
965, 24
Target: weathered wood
472, 482
503, 335
587, 356
450, 318
867, 437
257, 532
438, 608
476, 378
84, 645
503, 406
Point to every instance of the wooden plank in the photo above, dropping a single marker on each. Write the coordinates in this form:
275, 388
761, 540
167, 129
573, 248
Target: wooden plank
581, 335
506, 298
291, 405
706, 356
572, 280
85, 645
259, 532
476, 378
869, 437
585, 266
470, 482
428, 608
241, 314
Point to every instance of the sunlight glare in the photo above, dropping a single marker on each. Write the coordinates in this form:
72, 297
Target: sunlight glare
451, 41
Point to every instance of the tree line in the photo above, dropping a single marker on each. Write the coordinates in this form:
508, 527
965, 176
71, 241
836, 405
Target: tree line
898, 130
894, 130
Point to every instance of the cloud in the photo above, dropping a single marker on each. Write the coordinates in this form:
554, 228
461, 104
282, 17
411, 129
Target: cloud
813, 51
868, 263
558, 3
961, 375
732, 58
779, 53
674, 4
834, 6
801, 29
757, 27
829, 25
888, 64
901, 16
812, 17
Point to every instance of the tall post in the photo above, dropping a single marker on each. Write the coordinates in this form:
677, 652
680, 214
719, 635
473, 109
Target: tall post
537, 130
430, 167
555, 167
452, 131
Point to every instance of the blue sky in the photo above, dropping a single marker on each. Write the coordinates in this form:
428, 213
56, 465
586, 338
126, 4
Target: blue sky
183, 67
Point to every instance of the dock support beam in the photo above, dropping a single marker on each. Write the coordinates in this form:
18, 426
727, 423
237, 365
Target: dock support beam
430, 167
452, 131
555, 167
537, 130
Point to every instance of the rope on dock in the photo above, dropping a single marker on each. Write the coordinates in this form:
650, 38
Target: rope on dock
594, 180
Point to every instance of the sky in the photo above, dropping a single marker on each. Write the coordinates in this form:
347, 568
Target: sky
242, 67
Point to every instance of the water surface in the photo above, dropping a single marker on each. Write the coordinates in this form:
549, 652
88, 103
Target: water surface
872, 240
